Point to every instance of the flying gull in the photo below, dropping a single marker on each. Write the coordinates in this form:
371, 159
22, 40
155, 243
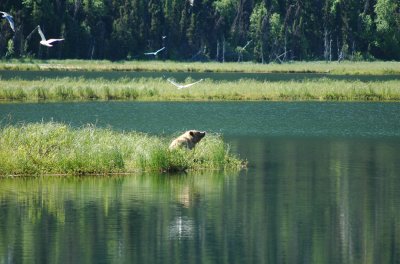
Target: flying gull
181, 86
155, 52
48, 41
9, 18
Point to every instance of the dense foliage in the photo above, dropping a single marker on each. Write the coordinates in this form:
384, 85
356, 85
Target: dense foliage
274, 30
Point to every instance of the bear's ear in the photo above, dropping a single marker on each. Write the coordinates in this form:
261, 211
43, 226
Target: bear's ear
191, 133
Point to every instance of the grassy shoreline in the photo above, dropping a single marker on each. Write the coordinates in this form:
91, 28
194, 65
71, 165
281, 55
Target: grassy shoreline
54, 148
345, 68
158, 89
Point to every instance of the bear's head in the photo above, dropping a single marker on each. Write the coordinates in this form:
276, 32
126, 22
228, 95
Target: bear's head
196, 136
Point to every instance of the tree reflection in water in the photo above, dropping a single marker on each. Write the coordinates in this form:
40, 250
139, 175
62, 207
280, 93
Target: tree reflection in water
182, 227
302, 200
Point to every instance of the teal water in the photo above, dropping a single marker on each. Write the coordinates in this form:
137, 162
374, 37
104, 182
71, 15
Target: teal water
181, 76
322, 187
309, 119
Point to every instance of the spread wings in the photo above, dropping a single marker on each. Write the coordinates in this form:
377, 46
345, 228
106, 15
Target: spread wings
182, 86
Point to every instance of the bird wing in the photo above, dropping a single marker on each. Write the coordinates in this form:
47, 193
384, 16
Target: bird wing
159, 50
247, 44
180, 86
41, 33
149, 53
11, 21
45, 43
190, 84
9, 18
53, 40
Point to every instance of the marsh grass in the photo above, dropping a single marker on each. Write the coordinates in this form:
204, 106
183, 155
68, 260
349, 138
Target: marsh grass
346, 67
54, 148
158, 89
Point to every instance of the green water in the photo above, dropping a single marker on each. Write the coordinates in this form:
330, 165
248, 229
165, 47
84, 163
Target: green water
322, 187
247, 119
181, 76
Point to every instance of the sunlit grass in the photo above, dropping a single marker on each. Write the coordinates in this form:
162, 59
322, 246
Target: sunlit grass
158, 89
54, 148
347, 67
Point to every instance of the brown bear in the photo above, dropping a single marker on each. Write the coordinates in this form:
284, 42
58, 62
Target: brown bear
189, 139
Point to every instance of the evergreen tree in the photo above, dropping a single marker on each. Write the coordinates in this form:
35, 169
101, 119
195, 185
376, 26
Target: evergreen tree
388, 29
223, 19
259, 23
203, 29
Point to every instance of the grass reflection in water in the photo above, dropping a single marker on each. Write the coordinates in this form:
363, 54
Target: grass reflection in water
92, 219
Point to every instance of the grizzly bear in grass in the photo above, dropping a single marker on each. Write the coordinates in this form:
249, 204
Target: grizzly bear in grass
189, 139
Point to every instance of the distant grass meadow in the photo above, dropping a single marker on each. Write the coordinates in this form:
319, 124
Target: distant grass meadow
56, 148
158, 89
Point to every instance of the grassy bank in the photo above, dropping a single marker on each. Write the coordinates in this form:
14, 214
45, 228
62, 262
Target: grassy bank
347, 67
53, 148
151, 89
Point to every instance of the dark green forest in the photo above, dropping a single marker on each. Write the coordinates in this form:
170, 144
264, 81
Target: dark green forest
201, 30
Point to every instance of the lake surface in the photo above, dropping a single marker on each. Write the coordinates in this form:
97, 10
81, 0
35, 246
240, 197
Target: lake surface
181, 76
322, 187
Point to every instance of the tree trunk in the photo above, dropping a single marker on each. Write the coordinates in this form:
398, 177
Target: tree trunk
223, 49
326, 46
217, 55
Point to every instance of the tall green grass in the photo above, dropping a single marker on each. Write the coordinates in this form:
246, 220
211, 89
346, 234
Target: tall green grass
54, 148
347, 67
158, 89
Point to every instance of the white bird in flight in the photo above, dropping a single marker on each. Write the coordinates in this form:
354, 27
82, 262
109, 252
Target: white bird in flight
155, 52
182, 86
9, 18
48, 41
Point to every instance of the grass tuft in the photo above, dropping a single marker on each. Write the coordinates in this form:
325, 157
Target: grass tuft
54, 148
